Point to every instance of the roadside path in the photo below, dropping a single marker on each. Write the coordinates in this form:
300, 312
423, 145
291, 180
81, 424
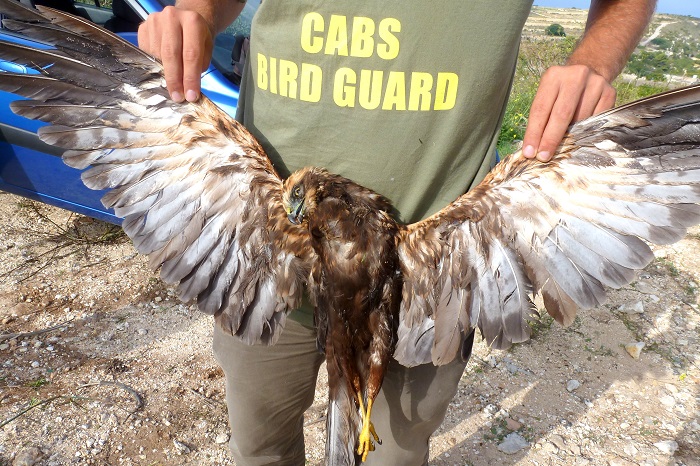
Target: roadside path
656, 33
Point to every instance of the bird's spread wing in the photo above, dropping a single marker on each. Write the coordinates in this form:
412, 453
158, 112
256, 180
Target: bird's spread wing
566, 229
197, 193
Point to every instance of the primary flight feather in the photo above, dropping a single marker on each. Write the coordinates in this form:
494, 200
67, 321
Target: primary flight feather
199, 196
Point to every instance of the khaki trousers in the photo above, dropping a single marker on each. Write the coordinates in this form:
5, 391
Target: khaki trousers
268, 388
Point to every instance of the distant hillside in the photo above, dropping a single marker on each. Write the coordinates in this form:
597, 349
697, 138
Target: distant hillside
572, 19
669, 51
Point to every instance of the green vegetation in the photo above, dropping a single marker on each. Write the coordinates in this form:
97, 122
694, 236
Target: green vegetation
555, 30
536, 55
655, 65
534, 59
675, 52
662, 43
38, 383
629, 91
100, 3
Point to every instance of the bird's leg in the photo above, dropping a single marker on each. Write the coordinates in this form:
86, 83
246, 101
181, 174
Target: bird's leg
361, 403
365, 443
380, 352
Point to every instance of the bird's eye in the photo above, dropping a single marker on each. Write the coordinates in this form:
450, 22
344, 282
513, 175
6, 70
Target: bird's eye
297, 191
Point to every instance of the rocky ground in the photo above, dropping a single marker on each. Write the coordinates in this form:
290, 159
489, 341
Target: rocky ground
99, 364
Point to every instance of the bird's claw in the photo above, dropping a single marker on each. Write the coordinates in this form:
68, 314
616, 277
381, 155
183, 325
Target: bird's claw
365, 443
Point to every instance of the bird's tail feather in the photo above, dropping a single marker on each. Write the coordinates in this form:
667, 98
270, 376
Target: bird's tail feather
343, 425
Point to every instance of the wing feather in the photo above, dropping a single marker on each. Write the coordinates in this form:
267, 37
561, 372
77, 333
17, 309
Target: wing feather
565, 229
196, 191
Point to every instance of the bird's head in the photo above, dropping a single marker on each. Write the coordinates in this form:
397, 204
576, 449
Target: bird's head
300, 195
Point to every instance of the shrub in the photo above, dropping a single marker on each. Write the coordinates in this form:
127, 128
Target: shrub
555, 30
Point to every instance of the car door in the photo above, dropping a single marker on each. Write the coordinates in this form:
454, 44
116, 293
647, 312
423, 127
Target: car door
31, 168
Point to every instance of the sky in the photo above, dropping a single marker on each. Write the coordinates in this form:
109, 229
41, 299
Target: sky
676, 7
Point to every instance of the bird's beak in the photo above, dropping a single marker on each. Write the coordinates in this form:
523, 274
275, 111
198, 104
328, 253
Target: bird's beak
295, 211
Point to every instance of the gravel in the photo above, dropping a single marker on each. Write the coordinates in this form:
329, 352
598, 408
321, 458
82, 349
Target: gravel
126, 378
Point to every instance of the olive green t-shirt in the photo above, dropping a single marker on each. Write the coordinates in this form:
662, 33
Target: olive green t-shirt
404, 97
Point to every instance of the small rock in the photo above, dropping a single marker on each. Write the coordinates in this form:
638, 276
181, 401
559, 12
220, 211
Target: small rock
4, 346
549, 447
644, 287
514, 368
142, 331
490, 410
632, 308
668, 401
28, 457
181, 447
558, 441
502, 414
22, 309
667, 446
635, 349
158, 299
221, 438
631, 450
513, 443
35, 364
572, 385
512, 424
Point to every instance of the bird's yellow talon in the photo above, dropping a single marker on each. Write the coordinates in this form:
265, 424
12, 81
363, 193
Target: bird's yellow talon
374, 433
365, 443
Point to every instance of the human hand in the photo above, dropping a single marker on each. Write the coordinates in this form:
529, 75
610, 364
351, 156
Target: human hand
566, 94
183, 40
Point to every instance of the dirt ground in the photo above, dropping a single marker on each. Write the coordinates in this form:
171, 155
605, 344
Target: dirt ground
101, 365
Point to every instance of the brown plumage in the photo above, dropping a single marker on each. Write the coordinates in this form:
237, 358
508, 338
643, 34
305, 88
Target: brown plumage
357, 291
201, 199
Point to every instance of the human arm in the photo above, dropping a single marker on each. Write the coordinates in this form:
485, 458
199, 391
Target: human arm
182, 37
582, 87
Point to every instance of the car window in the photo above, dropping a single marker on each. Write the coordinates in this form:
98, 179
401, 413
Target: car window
119, 16
230, 38
88, 9
99, 3
239, 27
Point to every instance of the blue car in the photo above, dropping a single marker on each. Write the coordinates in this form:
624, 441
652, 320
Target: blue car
31, 168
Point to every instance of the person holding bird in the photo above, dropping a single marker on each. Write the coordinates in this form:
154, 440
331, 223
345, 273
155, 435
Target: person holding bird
405, 99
